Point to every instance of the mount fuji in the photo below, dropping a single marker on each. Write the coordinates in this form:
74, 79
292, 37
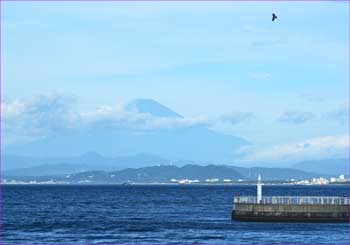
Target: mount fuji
195, 142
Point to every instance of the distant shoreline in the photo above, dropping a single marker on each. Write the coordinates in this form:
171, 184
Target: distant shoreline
167, 184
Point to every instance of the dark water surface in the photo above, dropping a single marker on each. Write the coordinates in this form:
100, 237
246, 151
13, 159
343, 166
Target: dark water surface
152, 214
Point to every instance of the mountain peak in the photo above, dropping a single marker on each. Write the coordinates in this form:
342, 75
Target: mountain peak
150, 106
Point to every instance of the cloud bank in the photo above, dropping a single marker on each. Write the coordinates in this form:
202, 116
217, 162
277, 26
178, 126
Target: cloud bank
56, 114
313, 148
47, 115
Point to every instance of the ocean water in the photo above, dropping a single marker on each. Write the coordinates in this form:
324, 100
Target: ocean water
152, 215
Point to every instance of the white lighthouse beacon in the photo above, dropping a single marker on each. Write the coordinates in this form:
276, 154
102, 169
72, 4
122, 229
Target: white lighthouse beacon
259, 190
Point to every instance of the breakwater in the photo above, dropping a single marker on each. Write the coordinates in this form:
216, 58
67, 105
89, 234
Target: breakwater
291, 208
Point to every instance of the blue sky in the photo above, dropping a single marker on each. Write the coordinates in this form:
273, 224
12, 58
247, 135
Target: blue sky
282, 83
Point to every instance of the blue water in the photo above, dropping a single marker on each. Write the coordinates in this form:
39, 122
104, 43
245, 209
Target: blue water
152, 214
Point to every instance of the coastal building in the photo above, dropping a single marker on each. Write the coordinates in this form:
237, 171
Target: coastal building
319, 181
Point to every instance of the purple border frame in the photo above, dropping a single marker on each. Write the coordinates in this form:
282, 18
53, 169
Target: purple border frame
257, 1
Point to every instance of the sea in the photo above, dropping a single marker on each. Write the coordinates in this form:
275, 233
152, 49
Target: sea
153, 214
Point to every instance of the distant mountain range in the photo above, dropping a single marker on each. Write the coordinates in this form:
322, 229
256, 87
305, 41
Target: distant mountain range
91, 161
328, 166
36, 166
165, 174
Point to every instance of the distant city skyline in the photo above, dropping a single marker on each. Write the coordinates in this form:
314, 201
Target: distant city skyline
281, 87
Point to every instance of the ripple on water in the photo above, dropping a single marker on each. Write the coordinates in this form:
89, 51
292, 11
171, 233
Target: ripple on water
151, 215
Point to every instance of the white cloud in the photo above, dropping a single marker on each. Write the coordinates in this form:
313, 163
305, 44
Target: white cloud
340, 114
118, 117
11, 109
314, 148
296, 117
37, 117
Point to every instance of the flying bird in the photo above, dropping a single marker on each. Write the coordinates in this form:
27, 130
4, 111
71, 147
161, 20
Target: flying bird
274, 16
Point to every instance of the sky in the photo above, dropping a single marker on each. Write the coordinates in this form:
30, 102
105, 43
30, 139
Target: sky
279, 85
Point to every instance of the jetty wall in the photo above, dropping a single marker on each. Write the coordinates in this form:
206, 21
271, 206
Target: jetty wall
291, 212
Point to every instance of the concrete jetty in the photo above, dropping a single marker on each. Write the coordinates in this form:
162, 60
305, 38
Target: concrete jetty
290, 208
